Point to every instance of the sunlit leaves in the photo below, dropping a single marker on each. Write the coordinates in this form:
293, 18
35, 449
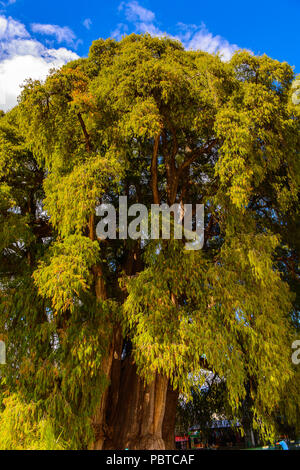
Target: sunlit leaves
67, 273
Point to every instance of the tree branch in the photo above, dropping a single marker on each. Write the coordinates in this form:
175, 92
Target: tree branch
87, 137
154, 177
195, 154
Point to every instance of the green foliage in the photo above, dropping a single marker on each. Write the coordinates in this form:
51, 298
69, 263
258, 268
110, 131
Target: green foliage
227, 135
67, 275
71, 199
23, 429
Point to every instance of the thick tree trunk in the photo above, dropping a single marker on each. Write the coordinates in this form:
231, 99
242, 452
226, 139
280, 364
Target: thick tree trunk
110, 396
249, 436
247, 423
170, 418
138, 423
247, 415
136, 416
130, 414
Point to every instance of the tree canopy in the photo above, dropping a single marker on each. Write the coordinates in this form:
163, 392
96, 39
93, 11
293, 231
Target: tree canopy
145, 118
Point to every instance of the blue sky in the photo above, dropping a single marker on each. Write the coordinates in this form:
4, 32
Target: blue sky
37, 35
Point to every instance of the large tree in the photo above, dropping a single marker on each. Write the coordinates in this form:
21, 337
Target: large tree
104, 334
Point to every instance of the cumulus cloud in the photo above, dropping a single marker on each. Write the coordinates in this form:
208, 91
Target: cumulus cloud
16, 70
10, 28
23, 57
194, 37
61, 33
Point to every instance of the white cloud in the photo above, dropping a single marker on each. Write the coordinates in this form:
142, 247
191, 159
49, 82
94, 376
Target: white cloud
151, 28
22, 47
140, 18
61, 33
202, 39
15, 70
135, 12
60, 56
192, 36
23, 57
10, 28
87, 23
